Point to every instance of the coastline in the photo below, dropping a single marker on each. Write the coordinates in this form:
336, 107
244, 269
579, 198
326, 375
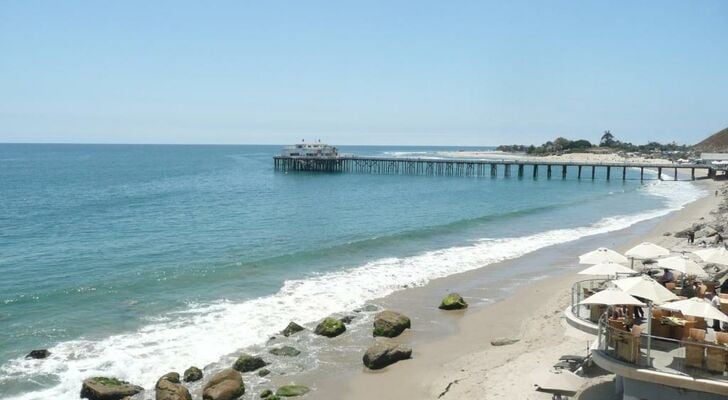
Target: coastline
452, 357
333, 366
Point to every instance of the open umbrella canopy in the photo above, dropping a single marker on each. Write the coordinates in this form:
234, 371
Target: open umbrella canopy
602, 255
645, 287
612, 297
607, 268
647, 250
560, 381
716, 255
683, 264
696, 307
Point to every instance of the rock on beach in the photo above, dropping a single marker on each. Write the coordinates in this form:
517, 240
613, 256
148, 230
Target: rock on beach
103, 388
247, 363
225, 385
168, 387
390, 323
330, 327
453, 301
385, 353
192, 374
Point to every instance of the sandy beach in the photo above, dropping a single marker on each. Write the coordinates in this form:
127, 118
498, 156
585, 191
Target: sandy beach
461, 363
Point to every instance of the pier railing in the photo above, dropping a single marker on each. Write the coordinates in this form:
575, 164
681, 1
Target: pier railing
485, 168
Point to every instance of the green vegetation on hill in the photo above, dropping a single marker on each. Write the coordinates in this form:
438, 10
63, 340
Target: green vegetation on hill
717, 142
607, 142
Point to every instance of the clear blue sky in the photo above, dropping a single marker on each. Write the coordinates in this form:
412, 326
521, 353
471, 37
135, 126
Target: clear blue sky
364, 72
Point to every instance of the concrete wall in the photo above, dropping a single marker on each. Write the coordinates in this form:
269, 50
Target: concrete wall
640, 390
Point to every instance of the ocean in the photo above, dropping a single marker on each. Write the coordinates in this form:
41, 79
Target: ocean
133, 260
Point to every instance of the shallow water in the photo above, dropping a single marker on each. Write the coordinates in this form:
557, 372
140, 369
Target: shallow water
135, 260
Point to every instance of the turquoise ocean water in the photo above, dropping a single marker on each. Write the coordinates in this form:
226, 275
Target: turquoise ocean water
132, 260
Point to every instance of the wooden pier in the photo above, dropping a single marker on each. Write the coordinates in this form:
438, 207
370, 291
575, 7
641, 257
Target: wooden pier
483, 168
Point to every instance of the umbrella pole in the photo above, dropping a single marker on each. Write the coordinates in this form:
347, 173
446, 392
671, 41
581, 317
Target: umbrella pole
649, 332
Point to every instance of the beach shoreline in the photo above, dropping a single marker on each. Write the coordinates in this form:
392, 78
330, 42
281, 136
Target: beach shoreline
514, 266
460, 362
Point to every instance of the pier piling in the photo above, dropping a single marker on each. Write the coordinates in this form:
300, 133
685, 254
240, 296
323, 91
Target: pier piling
464, 167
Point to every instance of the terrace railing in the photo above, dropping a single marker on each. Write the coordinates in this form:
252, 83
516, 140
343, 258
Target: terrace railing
698, 359
581, 290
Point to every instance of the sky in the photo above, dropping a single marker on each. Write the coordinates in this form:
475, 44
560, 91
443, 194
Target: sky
362, 72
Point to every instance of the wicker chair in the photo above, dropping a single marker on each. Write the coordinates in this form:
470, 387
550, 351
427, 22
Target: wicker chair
628, 344
717, 357
695, 353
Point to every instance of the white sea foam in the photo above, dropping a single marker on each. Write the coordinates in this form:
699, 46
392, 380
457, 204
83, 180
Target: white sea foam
206, 333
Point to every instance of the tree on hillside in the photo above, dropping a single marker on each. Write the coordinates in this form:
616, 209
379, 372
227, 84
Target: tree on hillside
561, 143
607, 139
580, 144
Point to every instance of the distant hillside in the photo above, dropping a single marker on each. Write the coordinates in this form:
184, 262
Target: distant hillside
716, 143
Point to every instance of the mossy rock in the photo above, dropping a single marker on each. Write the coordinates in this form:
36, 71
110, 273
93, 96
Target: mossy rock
192, 374
263, 372
286, 351
330, 327
291, 329
292, 390
247, 363
453, 301
104, 388
266, 394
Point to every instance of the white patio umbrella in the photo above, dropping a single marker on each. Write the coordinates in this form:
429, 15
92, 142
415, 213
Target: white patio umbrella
607, 268
716, 255
645, 287
602, 255
612, 297
696, 307
646, 250
683, 264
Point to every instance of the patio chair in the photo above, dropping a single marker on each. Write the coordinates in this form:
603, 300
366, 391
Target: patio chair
695, 352
628, 345
717, 357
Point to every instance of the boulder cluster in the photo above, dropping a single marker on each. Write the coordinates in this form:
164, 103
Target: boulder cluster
228, 384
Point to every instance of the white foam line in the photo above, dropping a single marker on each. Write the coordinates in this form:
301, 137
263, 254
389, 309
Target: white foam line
205, 334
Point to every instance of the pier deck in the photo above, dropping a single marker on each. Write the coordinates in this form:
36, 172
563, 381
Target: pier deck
484, 167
